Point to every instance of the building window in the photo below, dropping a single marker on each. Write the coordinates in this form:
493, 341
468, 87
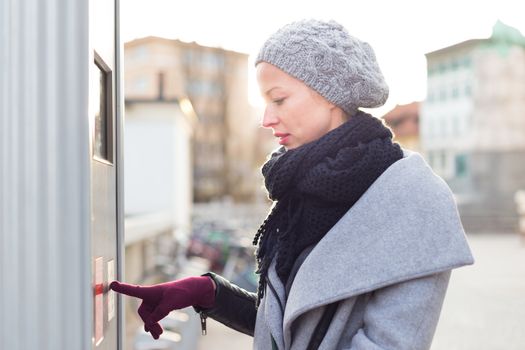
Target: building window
468, 90
140, 54
204, 88
430, 97
431, 159
467, 62
455, 126
461, 165
443, 160
430, 128
454, 65
455, 92
140, 85
188, 57
445, 127
443, 94
213, 61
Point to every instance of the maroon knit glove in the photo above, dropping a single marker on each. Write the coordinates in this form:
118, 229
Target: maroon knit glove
160, 299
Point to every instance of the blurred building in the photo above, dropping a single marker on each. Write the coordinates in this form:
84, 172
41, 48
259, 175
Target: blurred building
158, 136
404, 122
216, 82
473, 124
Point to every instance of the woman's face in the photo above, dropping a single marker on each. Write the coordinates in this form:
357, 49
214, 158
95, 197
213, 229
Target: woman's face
296, 113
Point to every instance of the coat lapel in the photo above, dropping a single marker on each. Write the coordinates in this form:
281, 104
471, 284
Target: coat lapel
272, 309
405, 226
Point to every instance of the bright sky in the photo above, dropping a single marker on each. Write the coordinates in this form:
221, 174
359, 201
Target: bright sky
400, 31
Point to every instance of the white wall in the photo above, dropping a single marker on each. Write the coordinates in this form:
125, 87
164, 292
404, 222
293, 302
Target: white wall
158, 175
500, 120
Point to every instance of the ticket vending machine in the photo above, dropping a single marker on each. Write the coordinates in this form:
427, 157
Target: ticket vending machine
106, 213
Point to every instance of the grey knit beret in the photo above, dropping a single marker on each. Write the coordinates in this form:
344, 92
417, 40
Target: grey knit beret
340, 67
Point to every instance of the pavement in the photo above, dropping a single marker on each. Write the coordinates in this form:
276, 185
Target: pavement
485, 304
484, 308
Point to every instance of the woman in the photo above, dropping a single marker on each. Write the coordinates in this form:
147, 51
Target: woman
358, 248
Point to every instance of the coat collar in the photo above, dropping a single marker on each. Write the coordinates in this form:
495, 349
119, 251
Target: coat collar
405, 226
273, 301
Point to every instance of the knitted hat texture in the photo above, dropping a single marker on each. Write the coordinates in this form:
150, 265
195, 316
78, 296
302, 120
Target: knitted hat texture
340, 67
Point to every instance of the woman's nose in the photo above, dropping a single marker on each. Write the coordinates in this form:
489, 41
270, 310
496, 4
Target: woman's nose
269, 118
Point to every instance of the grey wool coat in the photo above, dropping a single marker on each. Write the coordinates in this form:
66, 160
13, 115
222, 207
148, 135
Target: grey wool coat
388, 261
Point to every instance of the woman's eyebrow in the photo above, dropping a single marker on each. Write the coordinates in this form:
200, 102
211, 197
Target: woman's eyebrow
270, 90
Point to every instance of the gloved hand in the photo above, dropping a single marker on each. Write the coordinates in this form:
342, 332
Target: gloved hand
160, 299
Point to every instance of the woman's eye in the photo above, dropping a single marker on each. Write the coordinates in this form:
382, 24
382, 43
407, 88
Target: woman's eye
279, 101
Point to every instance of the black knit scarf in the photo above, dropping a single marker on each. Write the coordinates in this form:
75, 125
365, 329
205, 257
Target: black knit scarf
314, 185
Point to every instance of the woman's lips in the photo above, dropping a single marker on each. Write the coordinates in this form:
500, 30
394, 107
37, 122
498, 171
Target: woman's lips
283, 138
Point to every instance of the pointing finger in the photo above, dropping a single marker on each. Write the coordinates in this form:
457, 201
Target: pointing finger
142, 292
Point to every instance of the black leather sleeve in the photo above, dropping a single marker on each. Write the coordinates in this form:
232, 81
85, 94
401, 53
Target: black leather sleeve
234, 306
